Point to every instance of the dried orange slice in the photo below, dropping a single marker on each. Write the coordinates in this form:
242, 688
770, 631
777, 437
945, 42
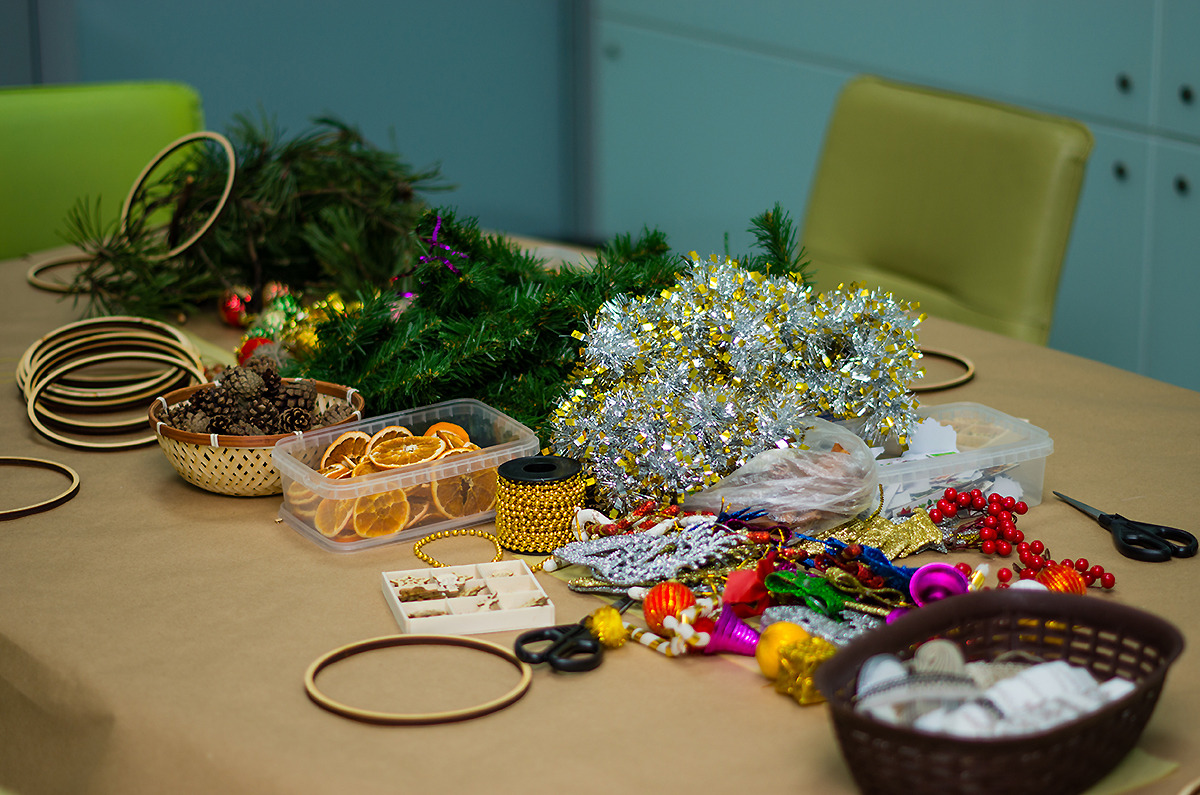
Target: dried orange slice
469, 447
365, 467
451, 439
381, 514
390, 432
467, 494
337, 469
300, 497
405, 450
332, 516
448, 427
351, 445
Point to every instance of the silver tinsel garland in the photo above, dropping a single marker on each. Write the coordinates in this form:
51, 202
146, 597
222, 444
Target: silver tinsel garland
678, 389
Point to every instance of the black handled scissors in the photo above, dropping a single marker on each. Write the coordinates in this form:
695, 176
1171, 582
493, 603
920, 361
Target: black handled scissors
1140, 540
572, 647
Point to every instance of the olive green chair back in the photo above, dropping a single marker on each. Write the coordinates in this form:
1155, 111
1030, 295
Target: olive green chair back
60, 143
958, 203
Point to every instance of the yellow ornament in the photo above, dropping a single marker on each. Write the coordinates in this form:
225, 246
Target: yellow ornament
607, 626
772, 639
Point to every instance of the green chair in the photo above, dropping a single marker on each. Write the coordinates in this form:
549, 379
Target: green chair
959, 203
64, 142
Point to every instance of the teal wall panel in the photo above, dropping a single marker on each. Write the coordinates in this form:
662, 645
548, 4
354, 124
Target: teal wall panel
697, 139
481, 86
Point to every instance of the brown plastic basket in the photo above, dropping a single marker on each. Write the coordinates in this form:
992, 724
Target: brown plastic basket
240, 466
1108, 639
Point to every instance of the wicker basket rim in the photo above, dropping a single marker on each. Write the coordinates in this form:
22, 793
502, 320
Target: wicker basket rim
349, 394
945, 614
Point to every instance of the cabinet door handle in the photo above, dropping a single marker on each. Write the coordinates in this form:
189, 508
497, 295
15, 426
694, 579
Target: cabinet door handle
1181, 185
1186, 95
1120, 171
1124, 83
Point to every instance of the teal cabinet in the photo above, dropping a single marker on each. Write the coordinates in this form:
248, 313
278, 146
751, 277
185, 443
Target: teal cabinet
1172, 339
1099, 310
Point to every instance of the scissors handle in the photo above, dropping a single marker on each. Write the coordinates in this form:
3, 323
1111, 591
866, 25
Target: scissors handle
1149, 542
572, 648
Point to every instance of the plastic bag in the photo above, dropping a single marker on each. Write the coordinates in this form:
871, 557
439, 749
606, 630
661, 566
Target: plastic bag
829, 478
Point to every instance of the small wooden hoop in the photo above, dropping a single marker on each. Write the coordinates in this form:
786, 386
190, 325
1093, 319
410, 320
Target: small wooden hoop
37, 389
45, 505
153, 164
413, 719
967, 374
34, 274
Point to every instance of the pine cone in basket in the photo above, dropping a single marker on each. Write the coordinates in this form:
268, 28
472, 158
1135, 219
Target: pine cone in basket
243, 382
297, 394
335, 413
295, 419
267, 370
262, 413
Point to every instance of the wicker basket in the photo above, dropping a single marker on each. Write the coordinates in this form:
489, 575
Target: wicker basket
1107, 638
240, 466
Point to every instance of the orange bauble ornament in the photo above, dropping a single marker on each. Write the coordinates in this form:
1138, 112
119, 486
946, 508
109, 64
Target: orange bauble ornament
1063, 579
667, 599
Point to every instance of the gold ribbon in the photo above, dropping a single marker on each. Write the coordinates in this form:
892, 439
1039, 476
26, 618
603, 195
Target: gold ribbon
798, 662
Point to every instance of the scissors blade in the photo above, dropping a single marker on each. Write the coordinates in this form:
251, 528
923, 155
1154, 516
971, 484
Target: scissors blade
1083, 506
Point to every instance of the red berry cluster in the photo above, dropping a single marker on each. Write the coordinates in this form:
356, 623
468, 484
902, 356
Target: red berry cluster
998, 535
1035, 557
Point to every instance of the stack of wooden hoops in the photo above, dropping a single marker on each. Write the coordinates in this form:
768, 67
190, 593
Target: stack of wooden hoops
76, 375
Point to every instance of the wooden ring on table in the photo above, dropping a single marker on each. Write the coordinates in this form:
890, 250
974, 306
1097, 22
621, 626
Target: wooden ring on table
35, 392
99, 396
34, 274
96, 326
415, 719
138, 184
45, 505
967, 374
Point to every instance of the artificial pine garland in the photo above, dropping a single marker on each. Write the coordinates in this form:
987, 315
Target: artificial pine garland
489, 321
324, 210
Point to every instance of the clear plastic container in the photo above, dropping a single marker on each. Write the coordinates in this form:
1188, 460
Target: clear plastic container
996, 453
467, 600
500, 437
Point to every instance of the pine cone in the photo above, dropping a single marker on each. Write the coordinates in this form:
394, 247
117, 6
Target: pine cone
243, 382
243, 428
295, 419
195, 422
297, 394
334, 414
202, 399
262, 412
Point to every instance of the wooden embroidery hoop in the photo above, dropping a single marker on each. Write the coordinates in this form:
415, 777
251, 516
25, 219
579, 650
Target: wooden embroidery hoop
958, 380
44, 505
35, 275
415, 719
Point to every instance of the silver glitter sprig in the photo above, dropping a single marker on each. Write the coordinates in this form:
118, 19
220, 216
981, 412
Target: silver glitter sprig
678, 389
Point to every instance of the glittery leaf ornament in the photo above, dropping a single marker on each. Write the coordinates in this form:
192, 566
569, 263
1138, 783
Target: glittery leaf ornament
678, 388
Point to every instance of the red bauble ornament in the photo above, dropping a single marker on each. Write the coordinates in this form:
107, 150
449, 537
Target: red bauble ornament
1062, 579
666, 599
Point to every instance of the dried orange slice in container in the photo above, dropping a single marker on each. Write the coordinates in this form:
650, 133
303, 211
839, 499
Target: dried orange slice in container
390, 432
405, 450
438, 428
350, 445
337, 470
332, 516
381, 514
469, 447
465, 495
365, 467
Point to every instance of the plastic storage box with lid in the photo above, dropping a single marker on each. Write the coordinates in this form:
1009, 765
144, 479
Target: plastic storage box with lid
996, 452
430, 489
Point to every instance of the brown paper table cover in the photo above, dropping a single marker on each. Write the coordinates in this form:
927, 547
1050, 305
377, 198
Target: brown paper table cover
154, 636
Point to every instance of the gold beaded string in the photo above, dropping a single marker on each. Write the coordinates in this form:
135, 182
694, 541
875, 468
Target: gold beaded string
417, 547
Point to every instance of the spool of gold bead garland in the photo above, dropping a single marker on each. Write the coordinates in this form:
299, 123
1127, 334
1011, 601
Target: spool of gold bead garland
535, 502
